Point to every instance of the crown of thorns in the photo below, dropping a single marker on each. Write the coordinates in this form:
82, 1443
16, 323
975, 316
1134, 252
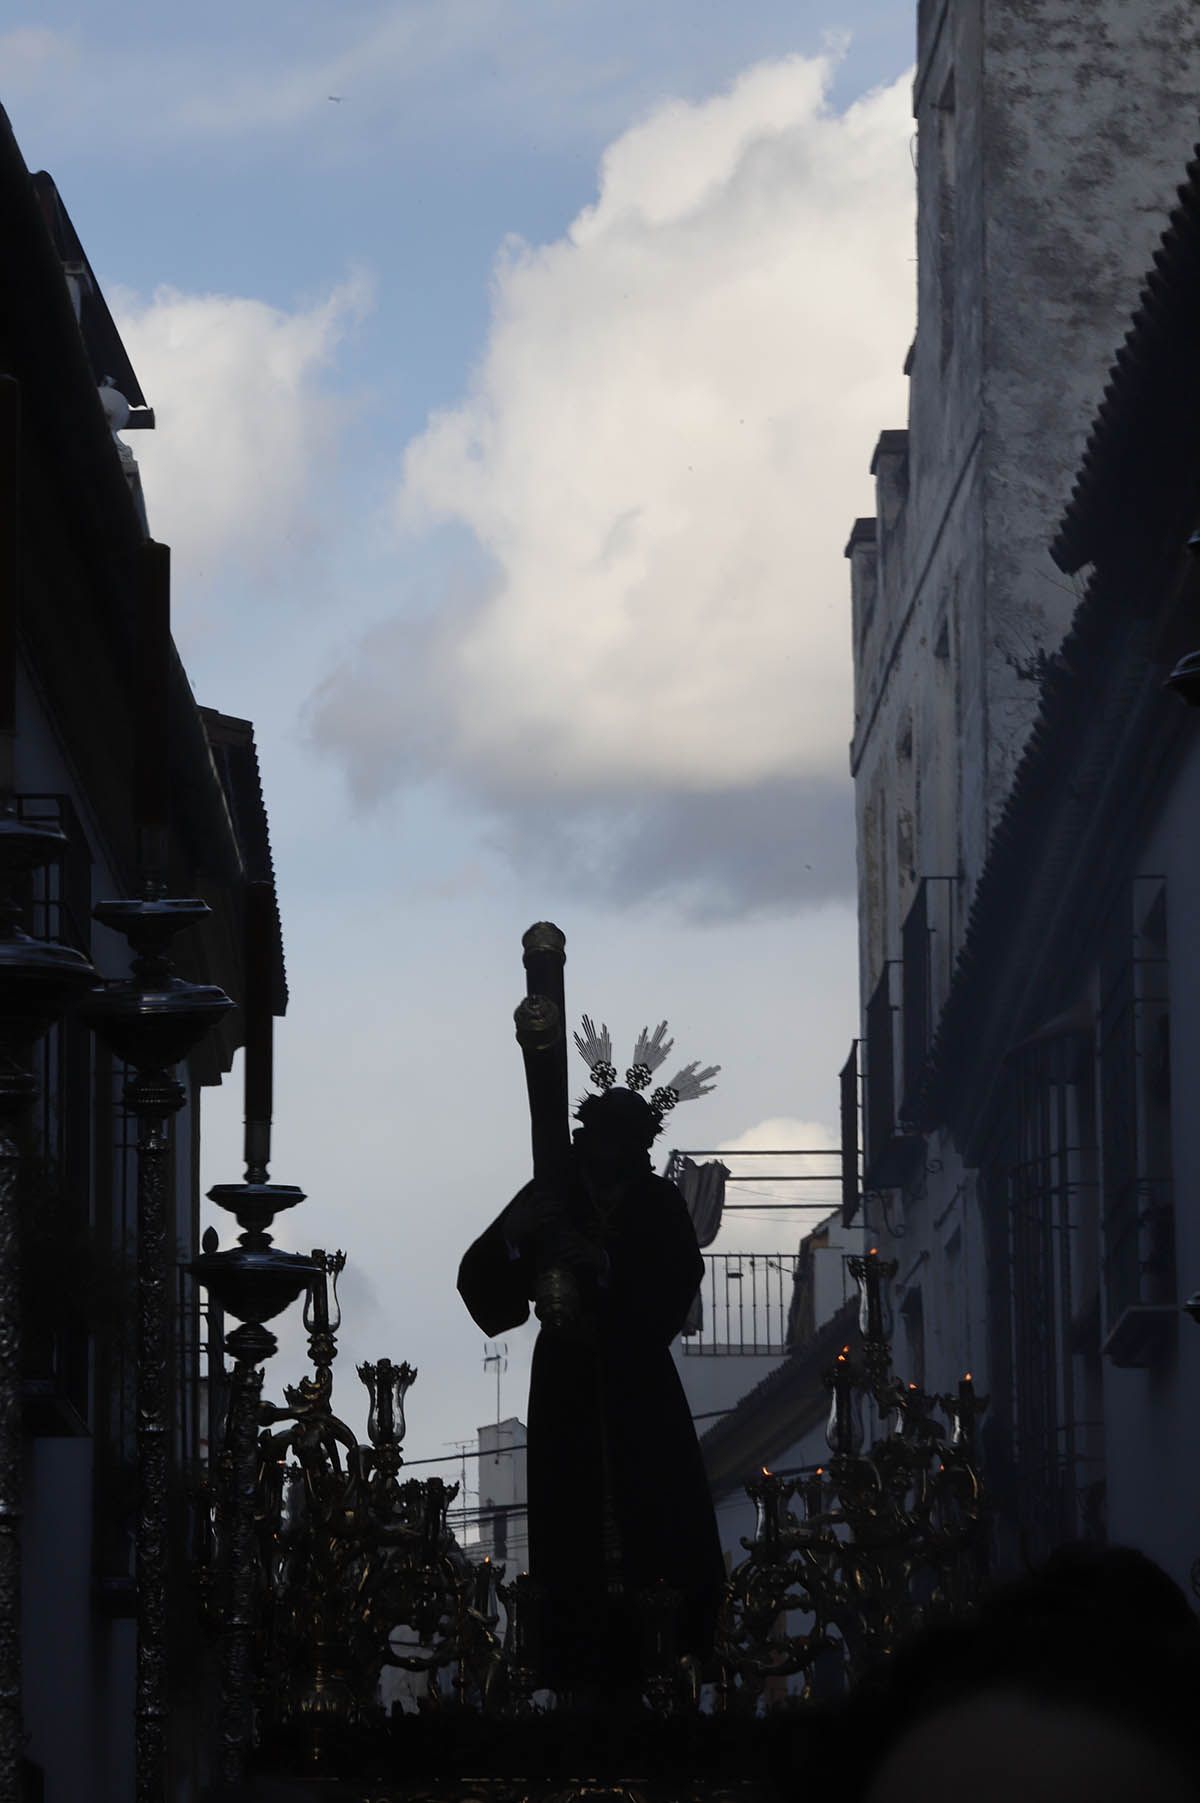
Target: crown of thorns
650, 1051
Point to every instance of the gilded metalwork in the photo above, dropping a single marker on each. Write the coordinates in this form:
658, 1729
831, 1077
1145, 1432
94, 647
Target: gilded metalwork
351, 1573
253, 1282
887, 1538
359, 1569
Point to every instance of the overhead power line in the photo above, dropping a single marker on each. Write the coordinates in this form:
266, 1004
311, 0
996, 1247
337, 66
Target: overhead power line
492, 1452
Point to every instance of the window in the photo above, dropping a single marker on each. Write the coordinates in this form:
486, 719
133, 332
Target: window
947, 216
881, 1081
851, 1173
927, 951
1051, 1196
58, 1281
916, 997
1135, 1127
891, 1153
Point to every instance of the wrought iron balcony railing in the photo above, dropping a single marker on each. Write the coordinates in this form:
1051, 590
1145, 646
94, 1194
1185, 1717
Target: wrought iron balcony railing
745, 1301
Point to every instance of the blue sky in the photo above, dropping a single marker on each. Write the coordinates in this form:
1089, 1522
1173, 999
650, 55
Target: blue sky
513, 411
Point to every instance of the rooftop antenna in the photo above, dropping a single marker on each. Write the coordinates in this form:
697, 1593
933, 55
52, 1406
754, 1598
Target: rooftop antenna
460, 1447
496, 1355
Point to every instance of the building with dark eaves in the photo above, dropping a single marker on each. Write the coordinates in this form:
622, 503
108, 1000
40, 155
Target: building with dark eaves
1013, 1136
75, 498
1026, 789
1064, 1060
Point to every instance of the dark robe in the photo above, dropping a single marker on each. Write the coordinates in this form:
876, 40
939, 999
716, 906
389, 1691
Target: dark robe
606, 1407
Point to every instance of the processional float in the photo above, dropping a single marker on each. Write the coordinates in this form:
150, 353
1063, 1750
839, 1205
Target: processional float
322, 1569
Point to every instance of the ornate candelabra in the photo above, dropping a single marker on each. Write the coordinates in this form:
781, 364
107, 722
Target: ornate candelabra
321, 1550
253, 1282
353, 1570
353, 1557
889, 1534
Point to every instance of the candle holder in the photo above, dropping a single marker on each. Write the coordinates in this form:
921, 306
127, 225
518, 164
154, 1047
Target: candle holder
873, 1276
387, 1385
525, 1609
813, 1490
768, 1493
252, 1282
844, 1430
484, 1599
963, 1410
320, 1325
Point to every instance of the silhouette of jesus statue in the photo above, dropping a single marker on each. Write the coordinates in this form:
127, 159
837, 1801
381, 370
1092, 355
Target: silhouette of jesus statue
619, 1502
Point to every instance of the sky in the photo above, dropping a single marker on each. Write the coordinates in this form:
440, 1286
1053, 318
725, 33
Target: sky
517, 366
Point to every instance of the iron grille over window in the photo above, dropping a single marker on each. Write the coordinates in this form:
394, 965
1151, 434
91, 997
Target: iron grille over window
57, 1279
1051, 1186
1139, 1253
927, 954
916, 998
891, 1155
881, 1080
851, 1173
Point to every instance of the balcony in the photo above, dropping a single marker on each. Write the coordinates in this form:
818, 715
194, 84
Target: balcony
745, 1304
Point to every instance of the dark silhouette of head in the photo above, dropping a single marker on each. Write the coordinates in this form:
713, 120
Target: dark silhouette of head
615, 1132
1073, 1681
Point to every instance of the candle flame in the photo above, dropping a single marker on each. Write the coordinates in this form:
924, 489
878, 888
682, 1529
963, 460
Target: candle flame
967, 1378
765, 1472
820, 1470
874, 1252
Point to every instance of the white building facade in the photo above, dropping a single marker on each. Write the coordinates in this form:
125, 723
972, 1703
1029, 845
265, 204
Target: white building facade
1051, 140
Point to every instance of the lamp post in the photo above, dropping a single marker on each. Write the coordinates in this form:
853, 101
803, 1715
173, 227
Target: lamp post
38, 980
152, 1020
253, 1282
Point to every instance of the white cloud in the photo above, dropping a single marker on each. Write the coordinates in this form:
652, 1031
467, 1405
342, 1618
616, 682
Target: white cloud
661, 453
31, 54
244, 419
810, 1151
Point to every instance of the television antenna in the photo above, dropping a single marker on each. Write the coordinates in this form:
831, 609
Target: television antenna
461, 1448
496, 1355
